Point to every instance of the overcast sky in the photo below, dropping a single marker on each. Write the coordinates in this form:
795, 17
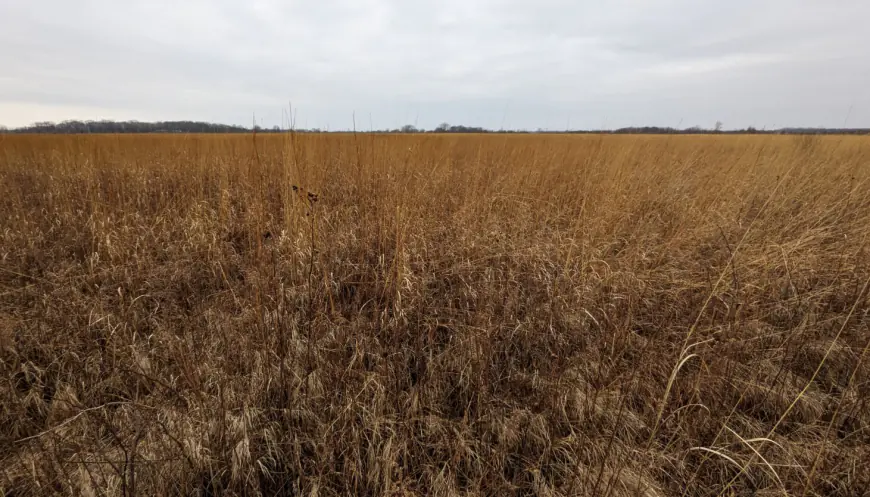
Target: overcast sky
494, 63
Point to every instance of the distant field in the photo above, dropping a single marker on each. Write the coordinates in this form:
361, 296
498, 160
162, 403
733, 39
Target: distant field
443, 315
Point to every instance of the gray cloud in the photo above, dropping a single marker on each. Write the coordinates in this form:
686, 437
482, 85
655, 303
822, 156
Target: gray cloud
509, 62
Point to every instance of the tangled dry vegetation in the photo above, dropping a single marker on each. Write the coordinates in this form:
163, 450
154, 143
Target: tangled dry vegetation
450, 315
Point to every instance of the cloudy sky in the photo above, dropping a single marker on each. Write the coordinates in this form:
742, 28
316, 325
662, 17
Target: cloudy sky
494, 63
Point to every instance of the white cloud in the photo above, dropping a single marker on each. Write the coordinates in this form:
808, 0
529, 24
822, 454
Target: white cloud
486, 62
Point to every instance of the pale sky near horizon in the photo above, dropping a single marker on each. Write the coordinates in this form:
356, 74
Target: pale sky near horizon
494, 63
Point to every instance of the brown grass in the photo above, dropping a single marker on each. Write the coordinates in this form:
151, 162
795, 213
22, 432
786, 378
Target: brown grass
454, 315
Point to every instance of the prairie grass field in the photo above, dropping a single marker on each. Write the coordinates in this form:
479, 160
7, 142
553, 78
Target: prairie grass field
434, 315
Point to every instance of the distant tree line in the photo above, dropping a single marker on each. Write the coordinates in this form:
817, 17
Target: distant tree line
696, 130
77, 127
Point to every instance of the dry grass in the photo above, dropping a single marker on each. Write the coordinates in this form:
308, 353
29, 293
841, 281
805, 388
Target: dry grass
454, 315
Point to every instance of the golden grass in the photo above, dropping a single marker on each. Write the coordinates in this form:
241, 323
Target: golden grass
453, 315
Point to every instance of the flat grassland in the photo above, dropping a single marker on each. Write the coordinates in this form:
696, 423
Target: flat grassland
442, 315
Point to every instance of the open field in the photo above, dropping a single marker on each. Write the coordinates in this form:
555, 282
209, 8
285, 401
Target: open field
453, 315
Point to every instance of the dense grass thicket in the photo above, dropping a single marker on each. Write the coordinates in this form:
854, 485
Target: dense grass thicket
442, 315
